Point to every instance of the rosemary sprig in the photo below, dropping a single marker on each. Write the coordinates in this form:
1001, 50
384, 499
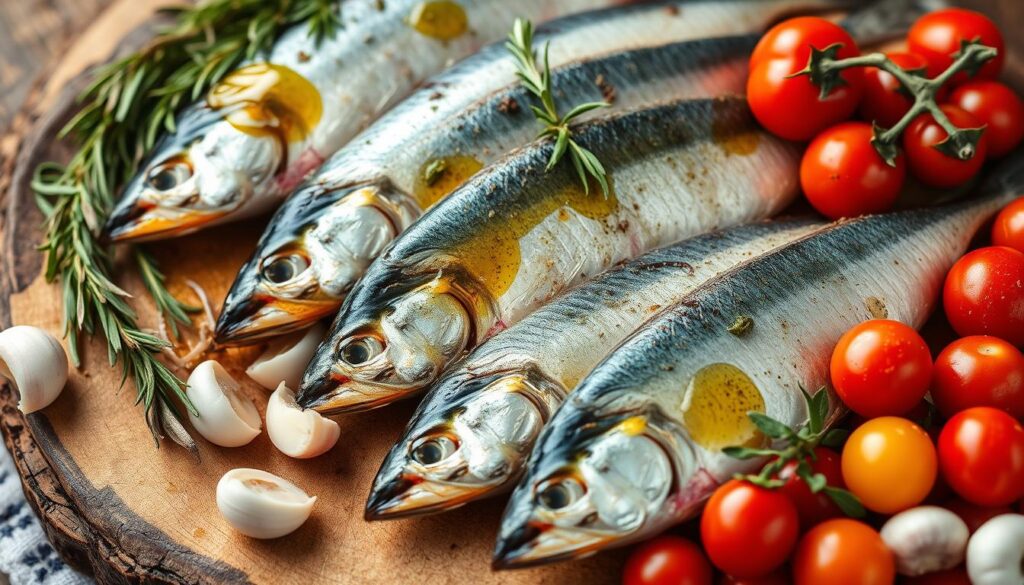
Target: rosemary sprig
538, 82
123, 111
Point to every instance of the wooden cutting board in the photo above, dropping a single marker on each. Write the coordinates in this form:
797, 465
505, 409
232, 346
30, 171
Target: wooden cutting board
117, 507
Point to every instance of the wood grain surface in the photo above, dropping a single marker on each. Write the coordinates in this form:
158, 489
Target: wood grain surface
117, 507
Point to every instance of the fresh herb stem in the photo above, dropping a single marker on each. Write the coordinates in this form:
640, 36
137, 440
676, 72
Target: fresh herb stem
961, 143
128, 104
537, 81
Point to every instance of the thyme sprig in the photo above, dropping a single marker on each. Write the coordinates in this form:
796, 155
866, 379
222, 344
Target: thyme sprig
799, 446
538, 82
128, 104
824, 71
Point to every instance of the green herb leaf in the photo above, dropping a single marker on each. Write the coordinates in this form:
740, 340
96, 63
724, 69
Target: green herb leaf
847, 502
834, 438
748, 452
771, 427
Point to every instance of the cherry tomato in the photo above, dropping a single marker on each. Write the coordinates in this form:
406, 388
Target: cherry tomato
972, 514
936, 36
984, 294
933, 167
794, 37
1008, 229
748, 530
979, 371
954, 576
810, 507
981, 452
667, 560
881, 367
997, 107
883, 102
843, 176
775, 578
890, 464
843, 552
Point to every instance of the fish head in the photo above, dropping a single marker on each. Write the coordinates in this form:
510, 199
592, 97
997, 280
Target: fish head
202, 173
316, 247
613, 481
392, 352
473, 447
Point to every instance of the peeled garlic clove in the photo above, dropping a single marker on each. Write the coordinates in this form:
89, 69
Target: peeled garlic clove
261, 504
995, 554
35, 363
225, 417
925, 539
296, 432
286, 359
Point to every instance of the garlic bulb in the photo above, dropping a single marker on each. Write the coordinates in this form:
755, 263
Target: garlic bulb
296, 432
35, 363
225, 417
261, 504
925, 539
285, 360
995, 554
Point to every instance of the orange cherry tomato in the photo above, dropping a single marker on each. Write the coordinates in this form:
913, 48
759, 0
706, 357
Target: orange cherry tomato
997, 107
881, 367
981, 451
843, 176
936, 168
843, 552
667, 560
979, 371
890, 464
883, 101
1008, 229
936, 36
984, 294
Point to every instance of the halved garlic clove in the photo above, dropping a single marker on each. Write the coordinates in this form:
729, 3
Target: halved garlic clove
261, 504
286, 359
296, 432
35, 363
925, 539
225, 417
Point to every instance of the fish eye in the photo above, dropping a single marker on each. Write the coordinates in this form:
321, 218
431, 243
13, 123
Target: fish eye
433, 449
556, 494
360, 350
168, 175
281, 269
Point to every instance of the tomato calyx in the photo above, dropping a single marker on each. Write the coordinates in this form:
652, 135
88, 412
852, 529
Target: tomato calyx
799, 446
823, 69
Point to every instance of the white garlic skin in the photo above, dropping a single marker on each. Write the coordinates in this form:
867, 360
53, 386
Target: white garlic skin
262, 505
925, 539
295, 432
996, 551
286, 359
35, 363
226, 418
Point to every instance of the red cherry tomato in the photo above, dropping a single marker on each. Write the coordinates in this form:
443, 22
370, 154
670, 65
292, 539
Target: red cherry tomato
1008, 229
776, 578
981, 454
883, 102
794, 37
954, 576
972, 514
748, 530
843, 176
810, 507
667, 560
979, 371
843, 552
936, 36
881, 367
933, 167
984, 294
997, 107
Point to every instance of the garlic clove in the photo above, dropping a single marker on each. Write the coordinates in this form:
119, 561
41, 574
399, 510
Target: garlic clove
286, 359
995, 554
261, 504
925, 539
296, 432
35, 363
226, 418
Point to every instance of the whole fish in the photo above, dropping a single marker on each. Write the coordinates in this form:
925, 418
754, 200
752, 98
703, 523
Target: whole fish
472, 433
323, 238
266, 125
515, 236
637, 447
